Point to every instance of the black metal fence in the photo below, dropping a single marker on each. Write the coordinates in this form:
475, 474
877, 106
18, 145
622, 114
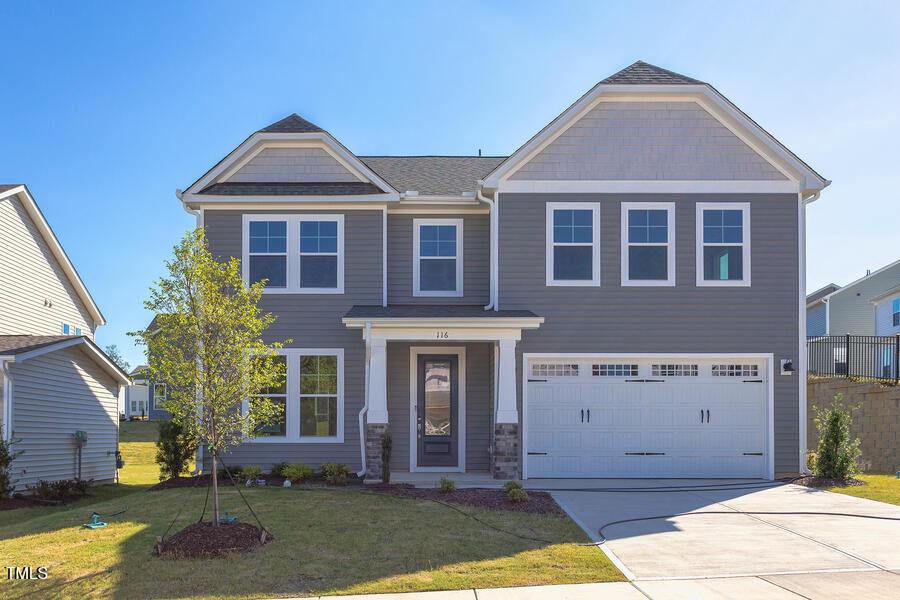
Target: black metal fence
860, 356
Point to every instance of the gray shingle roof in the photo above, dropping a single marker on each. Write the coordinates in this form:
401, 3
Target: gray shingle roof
643, 73
425, 311
433, 175
17, 344
292, 123
291, 189
831, 287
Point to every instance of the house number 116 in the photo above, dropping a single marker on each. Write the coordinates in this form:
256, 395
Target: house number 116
442, 335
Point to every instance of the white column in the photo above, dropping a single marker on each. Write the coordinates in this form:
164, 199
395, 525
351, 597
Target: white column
506, 384
378, 412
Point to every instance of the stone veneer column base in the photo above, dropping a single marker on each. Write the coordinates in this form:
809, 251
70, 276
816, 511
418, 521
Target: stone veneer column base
374, 433
505, 458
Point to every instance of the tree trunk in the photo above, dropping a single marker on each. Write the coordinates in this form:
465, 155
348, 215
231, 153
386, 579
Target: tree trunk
215, 486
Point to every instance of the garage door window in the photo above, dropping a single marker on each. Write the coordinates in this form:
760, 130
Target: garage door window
735, 370
573, 243
603, 370
667, 370
554, 370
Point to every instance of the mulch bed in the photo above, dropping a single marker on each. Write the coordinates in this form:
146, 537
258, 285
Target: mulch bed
20, 501
204, 540
539, 503
827, 482
186, 482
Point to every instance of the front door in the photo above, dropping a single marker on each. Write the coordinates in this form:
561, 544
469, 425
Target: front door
437, 411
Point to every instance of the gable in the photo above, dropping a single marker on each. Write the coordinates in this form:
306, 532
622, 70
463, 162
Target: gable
283, 165
631, 140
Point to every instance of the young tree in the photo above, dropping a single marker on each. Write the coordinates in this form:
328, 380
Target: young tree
208, 348
837, 452
112, 351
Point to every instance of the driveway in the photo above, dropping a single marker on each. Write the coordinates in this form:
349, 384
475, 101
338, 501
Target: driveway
688, 554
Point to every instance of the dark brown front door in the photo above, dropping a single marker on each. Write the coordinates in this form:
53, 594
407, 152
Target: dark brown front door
437, 411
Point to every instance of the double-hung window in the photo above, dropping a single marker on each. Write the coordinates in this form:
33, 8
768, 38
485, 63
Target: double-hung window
573, 243
319, 413
297, 254
277, 395
723, 244
438, 257
895, 312
648, 243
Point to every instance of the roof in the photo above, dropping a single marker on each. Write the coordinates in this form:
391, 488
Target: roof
433, 175
291, 189
866, 277
43, 227
821, 293
24, 347
644, 73
888, 292
292, 123
10, 345
8, 186
439, 311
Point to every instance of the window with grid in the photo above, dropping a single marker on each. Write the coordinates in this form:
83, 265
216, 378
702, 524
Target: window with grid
647, 232
675, 370
603, 370
723, 252
895, 312
277, 395
159, 394
318, 396
438, 257
318, 253
735, 370
268, 253
554, 370
573, 243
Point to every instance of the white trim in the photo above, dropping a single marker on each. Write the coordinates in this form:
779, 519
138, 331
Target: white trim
414, 352
802, 357
770, 393
595, 243
417, 258
384, 257
100, 357
669, 207
344, 202
662, 186
745, 243
292, 402
292, 251
7, 383
505, 324
265, 145
422, 209
43, 227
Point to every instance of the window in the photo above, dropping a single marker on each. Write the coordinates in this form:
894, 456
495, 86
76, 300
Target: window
554, 370
318, 396
723, 244
278, 396
674, 370
648, 243
895, 312
573, 243
615, 370
78, 331
437, 257
296, 254
159, 394
735, 370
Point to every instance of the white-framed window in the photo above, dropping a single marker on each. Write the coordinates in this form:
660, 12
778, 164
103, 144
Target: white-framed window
740, 370
438, 257
296, 254
648, 243
276, 394
159, 394
675, 370
723, 244
554, 370
313, 396
614, 370
573, 243
895, 312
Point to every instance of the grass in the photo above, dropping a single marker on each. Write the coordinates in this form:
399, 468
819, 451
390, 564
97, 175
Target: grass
137, 443
884, 488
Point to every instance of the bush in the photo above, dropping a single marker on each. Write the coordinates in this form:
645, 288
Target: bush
174, 450
64, 489
512, 485
237, 471
447, 485
517, 495
251, 472
335, 473
7, 456
277, 469
297, 472
387, 447
836, 453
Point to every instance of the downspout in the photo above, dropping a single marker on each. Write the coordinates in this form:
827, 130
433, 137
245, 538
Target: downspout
365, 408
802, 326
492, 305
7, 400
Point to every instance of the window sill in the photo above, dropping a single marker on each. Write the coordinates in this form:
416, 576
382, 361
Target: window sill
647, 283
319, 291
573, 283
725, 283
440, 294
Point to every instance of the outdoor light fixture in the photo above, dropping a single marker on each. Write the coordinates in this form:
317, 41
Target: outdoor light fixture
787, 366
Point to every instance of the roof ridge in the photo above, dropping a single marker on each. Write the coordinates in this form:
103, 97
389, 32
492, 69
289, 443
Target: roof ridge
293, 123
429, 156
640, 72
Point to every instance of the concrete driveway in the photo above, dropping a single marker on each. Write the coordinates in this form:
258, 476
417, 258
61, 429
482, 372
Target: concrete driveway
696, 554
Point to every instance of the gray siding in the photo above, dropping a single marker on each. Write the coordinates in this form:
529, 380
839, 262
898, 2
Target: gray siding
683, 318
648, 140
816, 320
314, 321
293, 165
476, 260
54, 395
36, 297
850, 309
479, 403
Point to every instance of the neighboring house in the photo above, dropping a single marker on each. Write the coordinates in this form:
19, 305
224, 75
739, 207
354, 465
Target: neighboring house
137, 394
816, 314
157, 391
617, 298
887, 312
863, 307
54, 381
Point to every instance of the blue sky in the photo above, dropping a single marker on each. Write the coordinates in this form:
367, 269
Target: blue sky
109, 107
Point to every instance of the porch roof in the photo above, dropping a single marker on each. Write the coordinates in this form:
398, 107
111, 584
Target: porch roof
434, 311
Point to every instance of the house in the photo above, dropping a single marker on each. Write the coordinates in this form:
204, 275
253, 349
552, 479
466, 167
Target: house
136, 400
54, 381
156, 393
863, 307
622, 296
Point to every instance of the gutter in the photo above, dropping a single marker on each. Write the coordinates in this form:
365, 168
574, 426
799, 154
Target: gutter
7, 397
492, 305
365, 408
197, 215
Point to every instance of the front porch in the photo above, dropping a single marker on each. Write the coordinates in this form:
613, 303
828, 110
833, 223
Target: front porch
442, 380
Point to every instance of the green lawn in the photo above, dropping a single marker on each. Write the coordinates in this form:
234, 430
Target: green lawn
136, 441
327, 541
884, 488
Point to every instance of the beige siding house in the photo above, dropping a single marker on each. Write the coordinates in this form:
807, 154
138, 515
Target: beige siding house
54, 380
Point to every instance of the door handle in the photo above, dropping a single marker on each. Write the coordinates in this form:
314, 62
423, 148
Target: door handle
589, 415
582, 415
707, 415
701, 415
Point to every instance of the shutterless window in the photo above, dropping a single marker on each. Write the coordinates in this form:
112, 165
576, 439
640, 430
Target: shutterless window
277, 395
735, 370
268, 253
318, 253
554, 370
674, 370
159, 393
895, 313
573, 243
723, 254
648, 253
318, 396
438, 265
615, 370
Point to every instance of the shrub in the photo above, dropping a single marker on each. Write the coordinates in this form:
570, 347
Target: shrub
7, 456
811, 461
517, 495
447, 485
297, 472
63, 489
512, 485
836, 453
387, 447
237, 471
81, 486
174, 450
251, 472
335, 473
277, 469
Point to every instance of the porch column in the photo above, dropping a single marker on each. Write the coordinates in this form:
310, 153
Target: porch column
506, 384
505, 455
378, 412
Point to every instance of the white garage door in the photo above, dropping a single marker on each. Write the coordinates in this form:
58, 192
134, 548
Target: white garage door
645, 418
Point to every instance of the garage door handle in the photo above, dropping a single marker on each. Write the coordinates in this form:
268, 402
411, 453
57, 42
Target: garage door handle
707, 415
753, 453
537, 454
582, 415
537, 381
654, 453
589, 415
753, 381
701, 415
635, 453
